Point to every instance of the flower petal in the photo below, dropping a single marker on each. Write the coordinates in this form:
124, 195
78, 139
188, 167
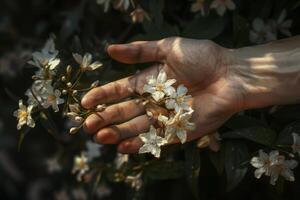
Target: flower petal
158, 95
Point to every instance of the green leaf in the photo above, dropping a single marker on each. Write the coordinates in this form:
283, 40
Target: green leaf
236, 152
204, 27
285, 137
240, 30
192, 167
156, 9
218, 159
49, 124
163, 170
243, 121
24, 131
261, 135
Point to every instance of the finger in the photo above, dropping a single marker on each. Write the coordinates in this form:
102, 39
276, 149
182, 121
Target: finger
137, 52
115, 134
118, 90
114, 114
131, 145
108, 93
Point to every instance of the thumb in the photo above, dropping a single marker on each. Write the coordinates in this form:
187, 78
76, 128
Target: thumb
137, 52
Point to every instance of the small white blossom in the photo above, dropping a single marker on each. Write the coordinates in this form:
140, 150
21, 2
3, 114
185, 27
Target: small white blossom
273, 165
221, 5
47, 57
284, 25
135, 182
262, 32
93, 150
105, 3
177, 125
39, 88
179, 100
198, 5
296, 143
86, 62
160, 86
152, 142
53, 165
52, 98
23, 115
80, 165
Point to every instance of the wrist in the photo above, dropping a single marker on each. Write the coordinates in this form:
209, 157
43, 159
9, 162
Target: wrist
267, 76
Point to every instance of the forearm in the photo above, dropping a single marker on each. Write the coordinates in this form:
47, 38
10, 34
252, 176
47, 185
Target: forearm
269, 74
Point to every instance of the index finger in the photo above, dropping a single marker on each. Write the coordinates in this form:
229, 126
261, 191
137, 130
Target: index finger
118, 90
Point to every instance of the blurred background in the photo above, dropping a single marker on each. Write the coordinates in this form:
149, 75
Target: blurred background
89, 26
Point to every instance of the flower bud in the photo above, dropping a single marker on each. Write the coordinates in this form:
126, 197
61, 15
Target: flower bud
78, 119
149, 114
74, 130
69, 84
95, 84
69, 69
145, 102
34, 77
100, 108
64, 92
63, 78
75, 92
72, 115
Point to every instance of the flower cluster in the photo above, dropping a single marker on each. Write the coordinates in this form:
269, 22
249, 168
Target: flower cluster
273, 165
50, 84
175, 122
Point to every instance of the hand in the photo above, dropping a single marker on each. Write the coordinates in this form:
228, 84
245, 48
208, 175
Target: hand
201, 65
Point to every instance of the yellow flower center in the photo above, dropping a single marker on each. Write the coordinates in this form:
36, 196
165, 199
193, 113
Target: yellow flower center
51, 98
23, 115
159, 87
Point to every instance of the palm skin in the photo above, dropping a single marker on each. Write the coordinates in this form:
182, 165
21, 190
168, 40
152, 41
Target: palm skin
201, 65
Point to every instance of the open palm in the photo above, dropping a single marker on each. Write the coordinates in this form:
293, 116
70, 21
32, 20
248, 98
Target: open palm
201, 65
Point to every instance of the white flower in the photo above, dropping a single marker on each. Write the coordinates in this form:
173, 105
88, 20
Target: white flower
177, 125
47, 57
23, 115
52, 98
198, 5
80, 165
262, 32
296, 143
105, 4
284, 25
221, 5
135, 182
39, 88
160, 86
152, 142
120, 160
53, 165
273, 165
121, 4
86, 62
93, 150
179, 100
